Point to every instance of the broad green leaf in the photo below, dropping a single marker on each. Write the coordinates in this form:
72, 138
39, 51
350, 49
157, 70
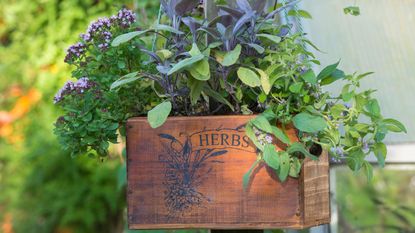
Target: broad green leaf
265, 82
271, 156
247, 176
231, 57
373, 107
128, 78
336, 75
127, 37
309, 77
394, 125
296, 87
380, 153
284, 166
278, 133
327, 71
196, 88
275, 39
298, 147
194, 51
257, 47
158, 115
309, 123
361, 127
162, 27
218, 97
249, 131
262, 123
355, 160
185, 63
248, 77
200, 70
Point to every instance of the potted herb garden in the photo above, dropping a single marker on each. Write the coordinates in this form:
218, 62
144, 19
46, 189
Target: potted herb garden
227, 122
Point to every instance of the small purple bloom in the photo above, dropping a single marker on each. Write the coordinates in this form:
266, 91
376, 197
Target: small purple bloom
268, 138
124, 18
70, 87
347, 105
75, 52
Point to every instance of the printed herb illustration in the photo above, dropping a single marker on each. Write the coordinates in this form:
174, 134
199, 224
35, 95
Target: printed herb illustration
236, 59
186, 170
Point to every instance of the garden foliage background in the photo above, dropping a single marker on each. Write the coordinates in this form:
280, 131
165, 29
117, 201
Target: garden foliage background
42, 189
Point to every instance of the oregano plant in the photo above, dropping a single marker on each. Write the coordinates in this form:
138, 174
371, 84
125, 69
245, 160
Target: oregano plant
242, 60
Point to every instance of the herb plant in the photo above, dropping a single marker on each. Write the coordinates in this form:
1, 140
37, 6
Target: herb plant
242, 60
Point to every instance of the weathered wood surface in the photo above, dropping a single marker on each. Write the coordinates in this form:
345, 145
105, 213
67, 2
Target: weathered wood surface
188, 174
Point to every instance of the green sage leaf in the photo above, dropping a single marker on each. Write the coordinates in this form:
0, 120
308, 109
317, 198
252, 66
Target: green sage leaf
158, 115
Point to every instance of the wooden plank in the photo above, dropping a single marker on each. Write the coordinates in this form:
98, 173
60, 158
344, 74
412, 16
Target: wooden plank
188, 174
315, 191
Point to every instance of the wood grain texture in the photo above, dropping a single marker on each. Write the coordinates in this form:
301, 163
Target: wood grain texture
188, 174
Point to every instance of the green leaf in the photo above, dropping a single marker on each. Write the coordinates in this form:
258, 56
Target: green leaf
231, 57
336, 75
300, 13
113, 126
275, 39
162, 27
200, 70
327, 71
127, 37
249, 131
394, 125
296, 87
309, 77
380, 153
373, 107
271, 156
352, 10
196, 88
248, 77
257, 47
262, 123
284, 166
158, 115
278, 133
295, 167
309, 123
185, 63
218, 97
265, 82
128, 78
298, 147
369, 170
247, 176
337, 110
164, 54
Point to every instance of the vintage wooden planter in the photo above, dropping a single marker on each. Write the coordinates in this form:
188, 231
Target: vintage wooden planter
188, 174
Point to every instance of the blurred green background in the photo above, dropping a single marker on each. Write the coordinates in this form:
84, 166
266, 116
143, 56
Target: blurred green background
43, 190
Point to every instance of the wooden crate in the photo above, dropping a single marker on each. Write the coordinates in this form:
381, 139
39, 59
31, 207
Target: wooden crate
188, 174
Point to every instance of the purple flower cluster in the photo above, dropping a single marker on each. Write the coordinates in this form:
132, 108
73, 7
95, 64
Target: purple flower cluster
124, 18
99, 32
262, 137
70, 87
75, 51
